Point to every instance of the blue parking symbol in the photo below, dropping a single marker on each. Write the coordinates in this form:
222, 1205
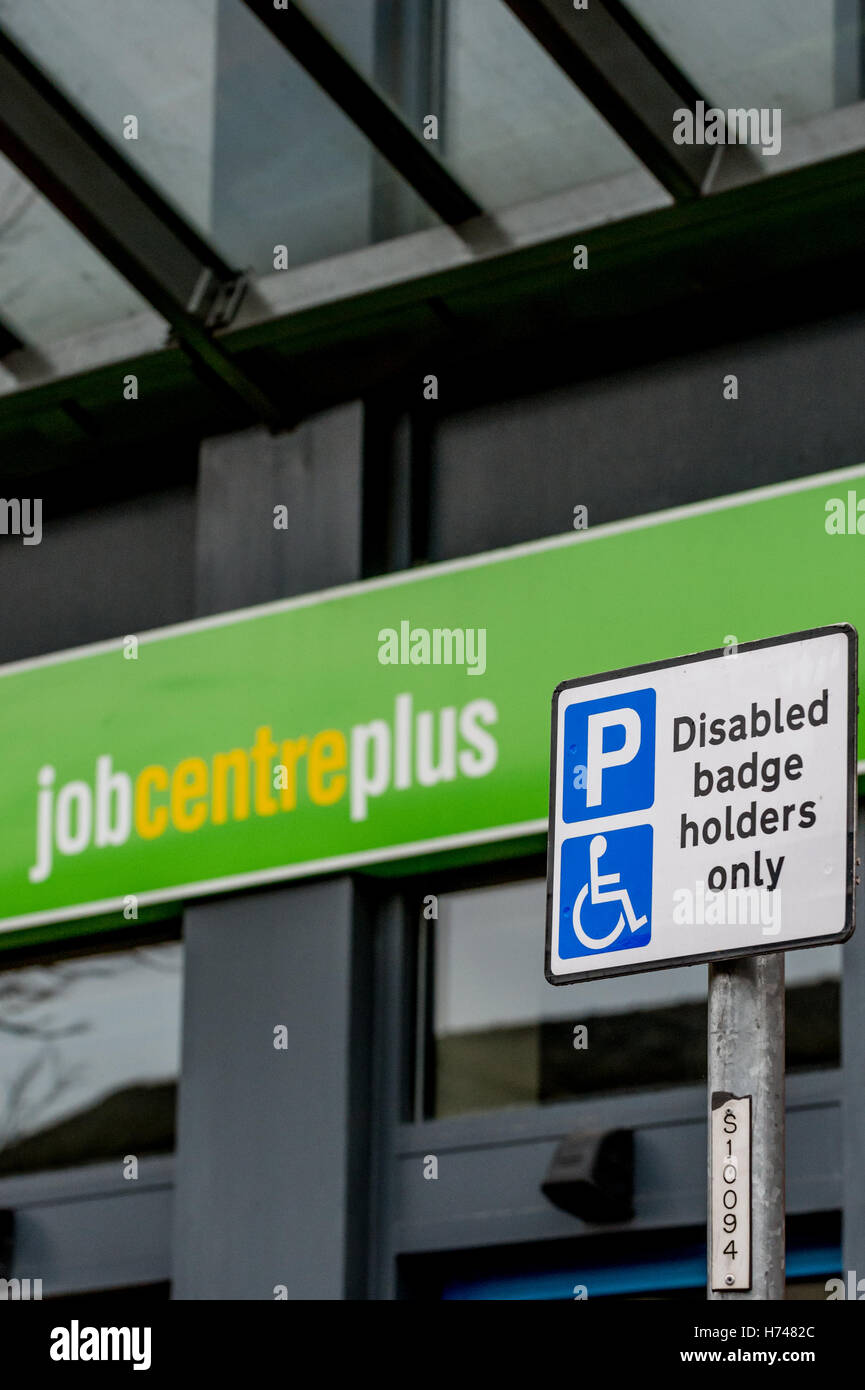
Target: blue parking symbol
609, 756
605, 899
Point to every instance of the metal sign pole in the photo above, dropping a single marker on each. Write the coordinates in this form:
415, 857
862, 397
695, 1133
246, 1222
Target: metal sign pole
641, 825
746, 1179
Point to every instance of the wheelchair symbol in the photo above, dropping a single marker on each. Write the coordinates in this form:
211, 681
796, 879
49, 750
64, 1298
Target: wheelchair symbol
601, 893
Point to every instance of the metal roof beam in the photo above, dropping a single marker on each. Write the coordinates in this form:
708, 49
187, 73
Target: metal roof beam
628, 77
124, 218
9, 340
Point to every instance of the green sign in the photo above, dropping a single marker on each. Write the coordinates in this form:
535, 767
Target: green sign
383, 720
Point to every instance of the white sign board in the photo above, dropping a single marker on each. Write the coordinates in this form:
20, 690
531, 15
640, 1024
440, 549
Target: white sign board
703, 808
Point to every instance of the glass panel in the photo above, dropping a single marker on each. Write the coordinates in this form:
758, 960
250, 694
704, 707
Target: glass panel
799, 55
516, 127
230, 129
89, 1056
512, 126
155, 61
52, 282
289, 168
503, 1036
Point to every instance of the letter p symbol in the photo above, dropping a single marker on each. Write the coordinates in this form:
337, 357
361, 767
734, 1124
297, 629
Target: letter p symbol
597, 759
614, 739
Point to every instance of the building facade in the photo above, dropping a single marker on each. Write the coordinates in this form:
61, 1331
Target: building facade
269, 330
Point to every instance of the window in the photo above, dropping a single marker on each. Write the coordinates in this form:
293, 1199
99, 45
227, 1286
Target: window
89, 1057
500, 1035
657, 1265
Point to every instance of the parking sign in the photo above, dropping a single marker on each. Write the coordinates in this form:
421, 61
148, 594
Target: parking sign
703, 808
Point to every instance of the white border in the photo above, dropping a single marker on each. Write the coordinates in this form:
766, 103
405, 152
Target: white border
309, 868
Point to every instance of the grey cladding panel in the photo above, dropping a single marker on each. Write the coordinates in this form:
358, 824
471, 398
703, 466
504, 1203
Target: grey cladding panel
265, 1142
657, 437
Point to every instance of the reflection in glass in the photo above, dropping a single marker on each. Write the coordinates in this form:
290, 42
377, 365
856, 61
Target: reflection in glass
89, 1056
503, 1036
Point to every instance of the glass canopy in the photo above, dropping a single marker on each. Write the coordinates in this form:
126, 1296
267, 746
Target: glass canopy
512, 126
200, 98
803, 56
227, 126
52, 282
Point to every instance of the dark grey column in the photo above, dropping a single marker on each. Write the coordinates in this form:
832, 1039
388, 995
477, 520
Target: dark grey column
242, 558
853, 1080
271, 1142
272, 1152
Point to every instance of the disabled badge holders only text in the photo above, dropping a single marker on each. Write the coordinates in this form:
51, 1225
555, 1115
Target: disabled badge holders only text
703, 808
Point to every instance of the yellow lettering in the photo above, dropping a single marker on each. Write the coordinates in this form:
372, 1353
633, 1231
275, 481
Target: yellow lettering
237, 762
189, 781
327, 759
293, 750
148, 825
263, 752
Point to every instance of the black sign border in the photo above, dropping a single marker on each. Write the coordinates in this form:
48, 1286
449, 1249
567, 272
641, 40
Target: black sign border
670, 963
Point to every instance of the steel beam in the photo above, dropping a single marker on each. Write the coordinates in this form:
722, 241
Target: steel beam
628, 77
849, 51
806, 220
9, 340
368, 109
124, 218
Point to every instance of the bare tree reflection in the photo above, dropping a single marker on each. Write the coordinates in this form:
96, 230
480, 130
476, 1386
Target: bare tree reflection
37, 1010
26, 997
42, 1080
